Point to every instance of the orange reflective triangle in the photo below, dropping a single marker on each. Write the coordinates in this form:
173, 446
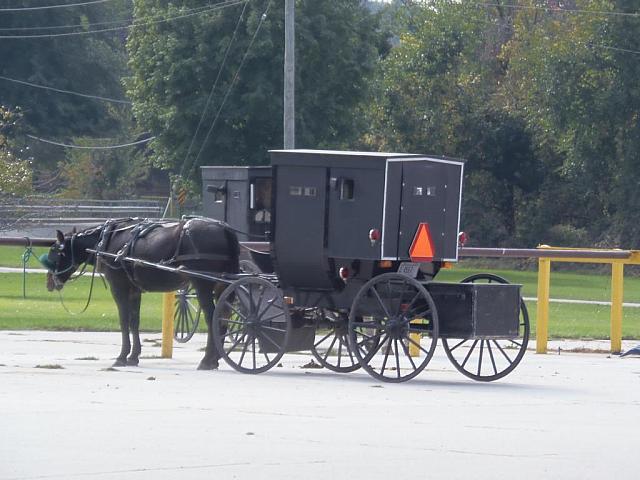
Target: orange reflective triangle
422, 249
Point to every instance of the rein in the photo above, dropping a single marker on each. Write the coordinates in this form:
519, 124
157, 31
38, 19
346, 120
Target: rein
73, 265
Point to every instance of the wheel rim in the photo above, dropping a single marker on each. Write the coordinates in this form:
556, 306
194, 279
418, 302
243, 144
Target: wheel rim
186, 315
331, 347
391, 315
486, 360
251, 325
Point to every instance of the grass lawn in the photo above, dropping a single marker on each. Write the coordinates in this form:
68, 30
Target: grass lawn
43, 310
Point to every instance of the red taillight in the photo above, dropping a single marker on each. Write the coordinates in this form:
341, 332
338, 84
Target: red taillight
344, 273
463, 238
374, 235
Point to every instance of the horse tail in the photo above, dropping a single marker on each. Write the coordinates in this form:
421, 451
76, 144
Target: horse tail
234, 250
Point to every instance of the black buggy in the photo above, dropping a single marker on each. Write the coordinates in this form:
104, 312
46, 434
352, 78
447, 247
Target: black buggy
355, 242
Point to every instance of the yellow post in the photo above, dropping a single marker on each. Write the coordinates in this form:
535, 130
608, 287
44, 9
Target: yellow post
542, 322
168, 301
617, 292
414, 350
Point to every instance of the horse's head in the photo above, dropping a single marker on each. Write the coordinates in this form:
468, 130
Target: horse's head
59, 262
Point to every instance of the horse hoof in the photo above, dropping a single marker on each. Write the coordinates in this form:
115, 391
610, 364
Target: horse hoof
132, 362
120, 363
208, 365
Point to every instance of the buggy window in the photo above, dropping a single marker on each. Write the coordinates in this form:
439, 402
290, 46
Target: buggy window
346, 189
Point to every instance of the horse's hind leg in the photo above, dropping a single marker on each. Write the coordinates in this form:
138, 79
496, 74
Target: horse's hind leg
134, 325
204, 291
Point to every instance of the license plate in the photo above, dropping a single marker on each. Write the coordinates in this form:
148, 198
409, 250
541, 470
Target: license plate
409, 269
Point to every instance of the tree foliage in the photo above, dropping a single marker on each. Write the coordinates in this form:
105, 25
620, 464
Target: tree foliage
15, 169
174, 65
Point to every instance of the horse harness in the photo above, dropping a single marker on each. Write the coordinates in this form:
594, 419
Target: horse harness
141, 230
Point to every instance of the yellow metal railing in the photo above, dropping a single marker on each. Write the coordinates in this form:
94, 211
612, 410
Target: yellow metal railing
617, 258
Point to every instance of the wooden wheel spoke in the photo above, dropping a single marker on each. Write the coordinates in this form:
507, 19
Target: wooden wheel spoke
323, 338
480, 357
333, 342
386, 355
384, 307
245, 347
397, 353
469, 353
236, 311
451, 349
503, 352
236, 342
417, 344
353, 361
271, 303
493, 361
406, 352
271, 328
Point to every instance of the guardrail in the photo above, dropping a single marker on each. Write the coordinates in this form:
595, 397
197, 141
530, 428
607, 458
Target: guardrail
45, 210
545, 255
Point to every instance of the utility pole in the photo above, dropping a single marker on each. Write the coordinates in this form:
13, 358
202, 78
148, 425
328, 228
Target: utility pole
289, 75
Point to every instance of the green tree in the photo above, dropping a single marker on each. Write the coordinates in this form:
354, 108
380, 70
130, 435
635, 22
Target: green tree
573, 79
438, 92
174, 64
15, 170
91, 64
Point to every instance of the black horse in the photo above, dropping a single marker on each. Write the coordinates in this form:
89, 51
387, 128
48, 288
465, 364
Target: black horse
197, 243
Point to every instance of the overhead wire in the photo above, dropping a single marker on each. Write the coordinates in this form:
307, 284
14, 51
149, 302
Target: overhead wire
214, 7
69, 92
49, 7
235, 77
213, 87
95, 147
95, 24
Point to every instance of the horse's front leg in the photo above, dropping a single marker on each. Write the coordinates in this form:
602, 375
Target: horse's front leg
120, 294
135, 296
204, 292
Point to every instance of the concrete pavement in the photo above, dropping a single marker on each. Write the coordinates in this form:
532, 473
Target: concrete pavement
64, 414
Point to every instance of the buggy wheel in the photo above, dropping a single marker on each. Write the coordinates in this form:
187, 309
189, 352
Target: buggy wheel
392, 314
332, 349
251, 325
247, 266
486, 360
186, 315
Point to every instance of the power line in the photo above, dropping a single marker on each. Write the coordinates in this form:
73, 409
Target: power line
606, 47
96, 24
69, 92
224, 100
49, 7
96, 147
217, 6
213, 87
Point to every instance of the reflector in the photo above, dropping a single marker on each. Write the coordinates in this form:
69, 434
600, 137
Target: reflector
422, 249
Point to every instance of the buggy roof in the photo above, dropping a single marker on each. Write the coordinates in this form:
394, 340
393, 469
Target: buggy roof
345, 158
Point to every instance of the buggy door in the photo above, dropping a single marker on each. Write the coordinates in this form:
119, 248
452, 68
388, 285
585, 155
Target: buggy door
236, 204
215, 197
300, 223
430, 194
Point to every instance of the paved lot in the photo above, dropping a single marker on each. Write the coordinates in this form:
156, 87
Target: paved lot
557, 416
